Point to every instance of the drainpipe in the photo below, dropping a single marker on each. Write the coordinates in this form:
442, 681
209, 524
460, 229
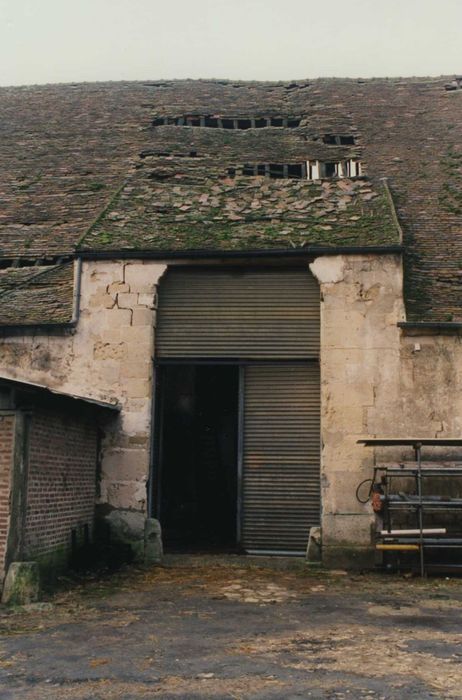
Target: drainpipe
77, 288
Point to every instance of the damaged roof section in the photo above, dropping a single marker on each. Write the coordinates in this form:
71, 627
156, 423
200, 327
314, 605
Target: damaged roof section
67, 150
40, 295
170, 206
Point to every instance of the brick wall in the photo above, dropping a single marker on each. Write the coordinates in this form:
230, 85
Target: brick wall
61, 480
6, 461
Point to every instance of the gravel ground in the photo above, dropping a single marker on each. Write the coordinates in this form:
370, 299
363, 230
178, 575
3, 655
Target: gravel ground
202, 630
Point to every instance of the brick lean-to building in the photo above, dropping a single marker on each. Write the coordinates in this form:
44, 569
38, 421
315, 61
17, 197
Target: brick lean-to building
256, 274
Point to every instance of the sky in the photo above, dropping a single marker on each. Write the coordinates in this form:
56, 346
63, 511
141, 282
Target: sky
51, 41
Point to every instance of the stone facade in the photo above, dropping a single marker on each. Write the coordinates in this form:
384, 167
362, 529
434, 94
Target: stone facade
376, 381
109, 357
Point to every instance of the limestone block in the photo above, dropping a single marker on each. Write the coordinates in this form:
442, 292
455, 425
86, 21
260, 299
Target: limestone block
343, 529
101, 271
116, 318
22, 583
118, 288
138, 405
153, 550
140, 334
342, 453
143, 277
339, 489
313, 550
148, 300
127, 525
141, 349
127, 300
101, 300
136, 423
137, 388
107, 374
142, 317
109, 351
136, 369
127, 495
349, 557
111, 335
125, 464
329, 269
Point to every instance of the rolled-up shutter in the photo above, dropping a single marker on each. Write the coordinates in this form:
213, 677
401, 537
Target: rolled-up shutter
258, 314
281, 452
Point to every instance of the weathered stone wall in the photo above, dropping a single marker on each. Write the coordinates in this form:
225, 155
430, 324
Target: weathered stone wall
109, 356
375, 382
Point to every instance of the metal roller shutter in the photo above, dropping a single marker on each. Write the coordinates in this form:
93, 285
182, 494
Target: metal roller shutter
261, 314
281, 456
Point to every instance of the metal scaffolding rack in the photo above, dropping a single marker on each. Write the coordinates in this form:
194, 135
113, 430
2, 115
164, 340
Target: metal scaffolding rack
420, 539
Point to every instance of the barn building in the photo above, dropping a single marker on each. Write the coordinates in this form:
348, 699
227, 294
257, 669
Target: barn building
210, 290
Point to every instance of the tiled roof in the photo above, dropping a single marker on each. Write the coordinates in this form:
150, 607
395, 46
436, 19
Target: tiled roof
201, 211
68, 149
36, 295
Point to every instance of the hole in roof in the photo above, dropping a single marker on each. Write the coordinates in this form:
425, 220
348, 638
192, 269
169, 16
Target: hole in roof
277, 171
339, 139
160, 175
217, 122
330, 169
244, 124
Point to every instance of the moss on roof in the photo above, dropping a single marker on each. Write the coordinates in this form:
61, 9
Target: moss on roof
67, 149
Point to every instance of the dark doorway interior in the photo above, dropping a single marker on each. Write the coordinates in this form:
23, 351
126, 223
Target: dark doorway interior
198, 456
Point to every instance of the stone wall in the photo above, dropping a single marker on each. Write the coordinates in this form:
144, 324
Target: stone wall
376, 381
108, 356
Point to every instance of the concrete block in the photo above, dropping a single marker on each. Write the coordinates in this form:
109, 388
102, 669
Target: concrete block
153, 550
22, 583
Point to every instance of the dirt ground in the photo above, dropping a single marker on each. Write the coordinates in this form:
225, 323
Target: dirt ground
230, 632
